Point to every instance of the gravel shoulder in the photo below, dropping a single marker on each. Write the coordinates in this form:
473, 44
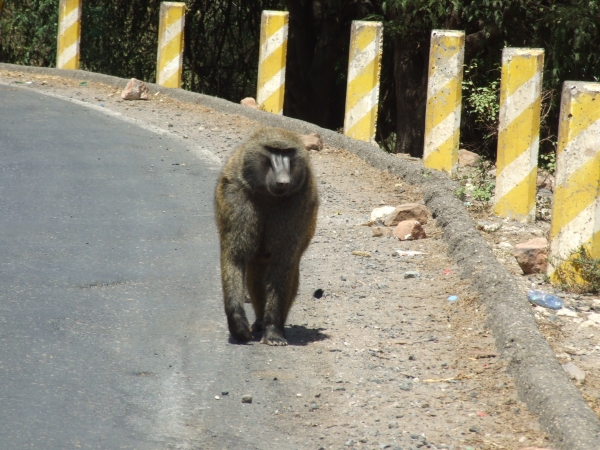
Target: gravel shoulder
385, 361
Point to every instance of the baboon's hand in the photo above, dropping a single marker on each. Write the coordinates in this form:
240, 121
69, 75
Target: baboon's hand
240, 329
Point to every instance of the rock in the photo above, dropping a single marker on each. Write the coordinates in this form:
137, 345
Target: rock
382, 231
135, 90
545, 193
405, 212
467, 158
249, 102
566, 312
594, 317
532, 255
545, 181
247, 399
574, 372
409, 230
488, 226
312, 141
379, 213
412, 274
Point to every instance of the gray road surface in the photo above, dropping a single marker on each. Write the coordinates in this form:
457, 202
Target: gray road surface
112, 333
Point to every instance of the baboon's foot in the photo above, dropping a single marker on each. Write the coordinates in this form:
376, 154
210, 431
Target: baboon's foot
240, 329
258, 326
273, 336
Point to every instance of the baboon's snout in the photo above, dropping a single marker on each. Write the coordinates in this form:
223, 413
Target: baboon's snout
281, 167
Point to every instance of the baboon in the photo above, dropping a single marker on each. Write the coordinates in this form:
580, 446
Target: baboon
266, 210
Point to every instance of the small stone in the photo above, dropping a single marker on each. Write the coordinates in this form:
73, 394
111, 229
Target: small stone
409, 230
313, 407
382, 231
467, 158
312, 141
574, 372
135, 90
217, 397
249, 102
474, 429
393, 424
566, 312
545, 181
247, 399
350, 443
405, 386
488, 226
532, 255
505, 245
594, 317
224, 392
405, 212
412, 274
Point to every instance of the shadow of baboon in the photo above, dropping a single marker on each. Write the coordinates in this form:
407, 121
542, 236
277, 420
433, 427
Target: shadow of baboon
301, 335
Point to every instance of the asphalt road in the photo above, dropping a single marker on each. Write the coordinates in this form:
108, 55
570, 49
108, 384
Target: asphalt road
112, 333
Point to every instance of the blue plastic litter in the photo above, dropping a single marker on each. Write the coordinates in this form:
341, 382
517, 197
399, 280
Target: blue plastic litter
453, 298
546, 300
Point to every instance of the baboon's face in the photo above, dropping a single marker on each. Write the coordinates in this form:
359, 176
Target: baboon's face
278, 176
274, 164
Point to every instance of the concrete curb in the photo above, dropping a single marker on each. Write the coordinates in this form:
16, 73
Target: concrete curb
540, 381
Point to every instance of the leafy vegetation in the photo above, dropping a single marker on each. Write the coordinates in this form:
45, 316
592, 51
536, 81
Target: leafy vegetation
476, 183
119, 37
481, 104
581, 273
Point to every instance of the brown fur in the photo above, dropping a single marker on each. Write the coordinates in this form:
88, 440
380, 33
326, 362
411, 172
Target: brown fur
263, 232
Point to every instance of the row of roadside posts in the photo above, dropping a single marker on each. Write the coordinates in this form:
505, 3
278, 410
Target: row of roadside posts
576, 206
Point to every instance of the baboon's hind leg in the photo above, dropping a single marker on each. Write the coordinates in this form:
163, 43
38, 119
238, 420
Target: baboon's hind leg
282, 284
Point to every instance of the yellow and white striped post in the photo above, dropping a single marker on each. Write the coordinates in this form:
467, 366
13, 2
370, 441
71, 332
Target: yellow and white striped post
444, 96
518, 133
69, 34
169, 62
364, 67
271, 61
576, 209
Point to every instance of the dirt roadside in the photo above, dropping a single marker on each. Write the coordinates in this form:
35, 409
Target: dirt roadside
395, 363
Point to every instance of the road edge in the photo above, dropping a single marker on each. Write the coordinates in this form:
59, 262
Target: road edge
541, 382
